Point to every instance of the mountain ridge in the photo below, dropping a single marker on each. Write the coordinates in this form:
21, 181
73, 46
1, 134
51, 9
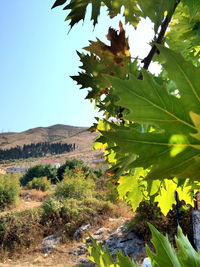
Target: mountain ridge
58, 133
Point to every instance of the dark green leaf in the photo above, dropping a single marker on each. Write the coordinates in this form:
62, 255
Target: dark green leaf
59, 3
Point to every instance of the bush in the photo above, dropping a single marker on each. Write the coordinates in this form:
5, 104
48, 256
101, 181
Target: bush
72, 166
37, 171
41, 183
77, 187
9, 190
51, 206
106, 189
150, 212
18, 229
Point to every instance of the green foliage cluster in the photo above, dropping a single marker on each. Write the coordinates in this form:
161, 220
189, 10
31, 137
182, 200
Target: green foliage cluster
9, 190
69, 169
77, 187
69, 214
72, 166
41, 183
75, 196
40, 170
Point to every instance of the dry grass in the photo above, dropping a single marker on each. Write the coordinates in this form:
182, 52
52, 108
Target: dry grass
122, 210
34, 195
29, 199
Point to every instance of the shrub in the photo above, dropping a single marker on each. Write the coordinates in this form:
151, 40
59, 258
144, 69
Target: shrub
37, 171
106, 188
150, 212
51, 206
18, 229
41, 183
9, 190
72, 166
77, 187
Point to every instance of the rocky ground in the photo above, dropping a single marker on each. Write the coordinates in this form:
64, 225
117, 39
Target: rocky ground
52, 252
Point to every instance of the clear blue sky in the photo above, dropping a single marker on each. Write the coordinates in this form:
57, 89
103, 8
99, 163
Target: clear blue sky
36, 58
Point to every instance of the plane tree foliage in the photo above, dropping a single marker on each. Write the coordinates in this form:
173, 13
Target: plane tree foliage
151, 125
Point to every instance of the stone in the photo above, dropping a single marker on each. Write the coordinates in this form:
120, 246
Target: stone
128, 242
80, 250
121, 239
49, 243
78, 234
101, 230
87, 263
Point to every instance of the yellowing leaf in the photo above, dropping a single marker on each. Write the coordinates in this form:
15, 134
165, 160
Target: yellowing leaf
129, 189
154, 187
185, 194
166, 197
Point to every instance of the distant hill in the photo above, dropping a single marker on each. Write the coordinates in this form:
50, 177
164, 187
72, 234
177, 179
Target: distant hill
53, 134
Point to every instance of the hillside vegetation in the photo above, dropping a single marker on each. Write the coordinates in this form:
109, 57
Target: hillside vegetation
75, 194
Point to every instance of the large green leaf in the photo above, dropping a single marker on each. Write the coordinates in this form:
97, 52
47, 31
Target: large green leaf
172, 149
187, 255
193, 6
113, 59
166, 198
186, 77
154, 151
149, 102
165, 254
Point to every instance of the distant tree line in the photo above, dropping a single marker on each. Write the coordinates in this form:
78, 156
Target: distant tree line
35, 150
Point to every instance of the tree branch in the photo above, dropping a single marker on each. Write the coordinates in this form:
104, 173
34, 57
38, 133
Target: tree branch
147, 60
